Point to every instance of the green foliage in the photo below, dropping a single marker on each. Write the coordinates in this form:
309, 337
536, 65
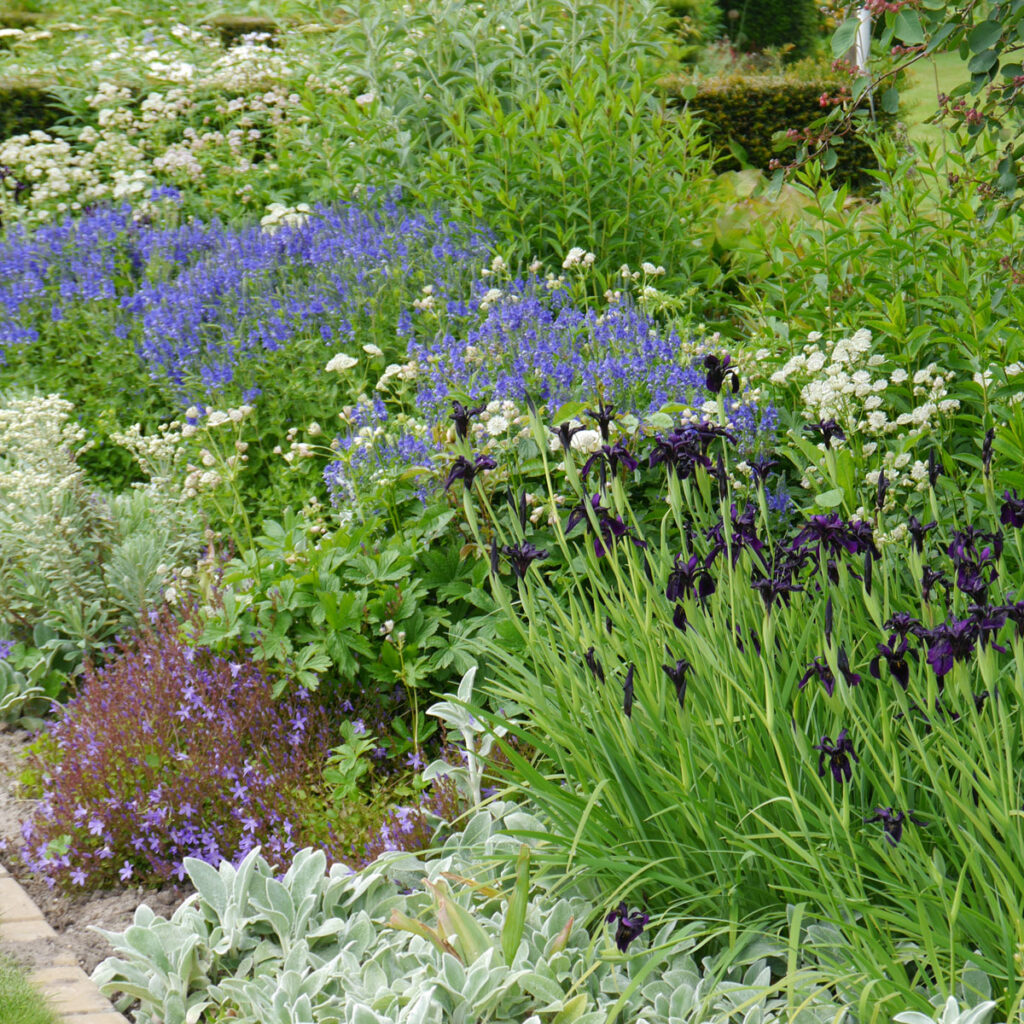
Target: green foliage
20, 1003
353, 608
81, 563
984, 111
922, 269
471, 934
757, 24
27, 105
231, 27
714, 797
747, 113
594, 163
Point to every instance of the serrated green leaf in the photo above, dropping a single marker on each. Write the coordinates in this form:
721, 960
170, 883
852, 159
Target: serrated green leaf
891, 100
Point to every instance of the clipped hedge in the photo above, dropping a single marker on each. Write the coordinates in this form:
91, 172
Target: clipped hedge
231, 27
756, 24
20, 19
26, 105
748, 110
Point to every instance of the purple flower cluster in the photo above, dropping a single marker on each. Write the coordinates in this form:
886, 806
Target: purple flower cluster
204, 303
534, 341
171, 752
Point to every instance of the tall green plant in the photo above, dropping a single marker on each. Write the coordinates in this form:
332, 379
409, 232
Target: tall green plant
728, 738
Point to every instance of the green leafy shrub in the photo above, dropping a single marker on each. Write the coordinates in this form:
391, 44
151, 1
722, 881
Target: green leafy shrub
745, 112
27, 105
756, 24
232, 27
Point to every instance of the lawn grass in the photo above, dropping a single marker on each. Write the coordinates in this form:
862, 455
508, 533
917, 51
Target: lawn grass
20, 1003
919, 100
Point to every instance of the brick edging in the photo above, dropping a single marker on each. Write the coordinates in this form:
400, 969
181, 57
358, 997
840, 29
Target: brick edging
67, 988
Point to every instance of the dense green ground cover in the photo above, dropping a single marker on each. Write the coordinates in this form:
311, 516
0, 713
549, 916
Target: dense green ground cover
401, 417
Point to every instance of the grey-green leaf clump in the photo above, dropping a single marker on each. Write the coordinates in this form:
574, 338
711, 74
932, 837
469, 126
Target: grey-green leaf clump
469, 935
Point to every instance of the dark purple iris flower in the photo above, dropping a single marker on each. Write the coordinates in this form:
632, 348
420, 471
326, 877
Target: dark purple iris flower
930, 579
965, 545
677, 676
902, 623
466, 471
830, 535
819, 670
609, 528
827, 430
1012, 512
719, 370
761, 466
565, 432
850, 677
950, 642
882, 490
893, 822
744, 535
838, 755
461, 417
596, 669
895, 654
706, 432
614, 455
935, 469
604, 416
681, 451
986, 451
689, 579
780, 582
1015, 614
521, 555
919, 531
989, 618
631, 925
627, 691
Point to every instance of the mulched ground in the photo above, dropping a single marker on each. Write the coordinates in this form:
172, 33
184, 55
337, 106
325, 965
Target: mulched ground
69, 916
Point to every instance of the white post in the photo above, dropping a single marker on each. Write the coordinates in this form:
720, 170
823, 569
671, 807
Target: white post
862, 43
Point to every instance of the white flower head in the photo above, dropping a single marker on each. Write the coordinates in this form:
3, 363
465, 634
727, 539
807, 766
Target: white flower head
340, 363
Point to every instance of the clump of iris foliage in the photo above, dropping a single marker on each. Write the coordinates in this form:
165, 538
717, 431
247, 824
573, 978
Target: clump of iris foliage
753, 710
